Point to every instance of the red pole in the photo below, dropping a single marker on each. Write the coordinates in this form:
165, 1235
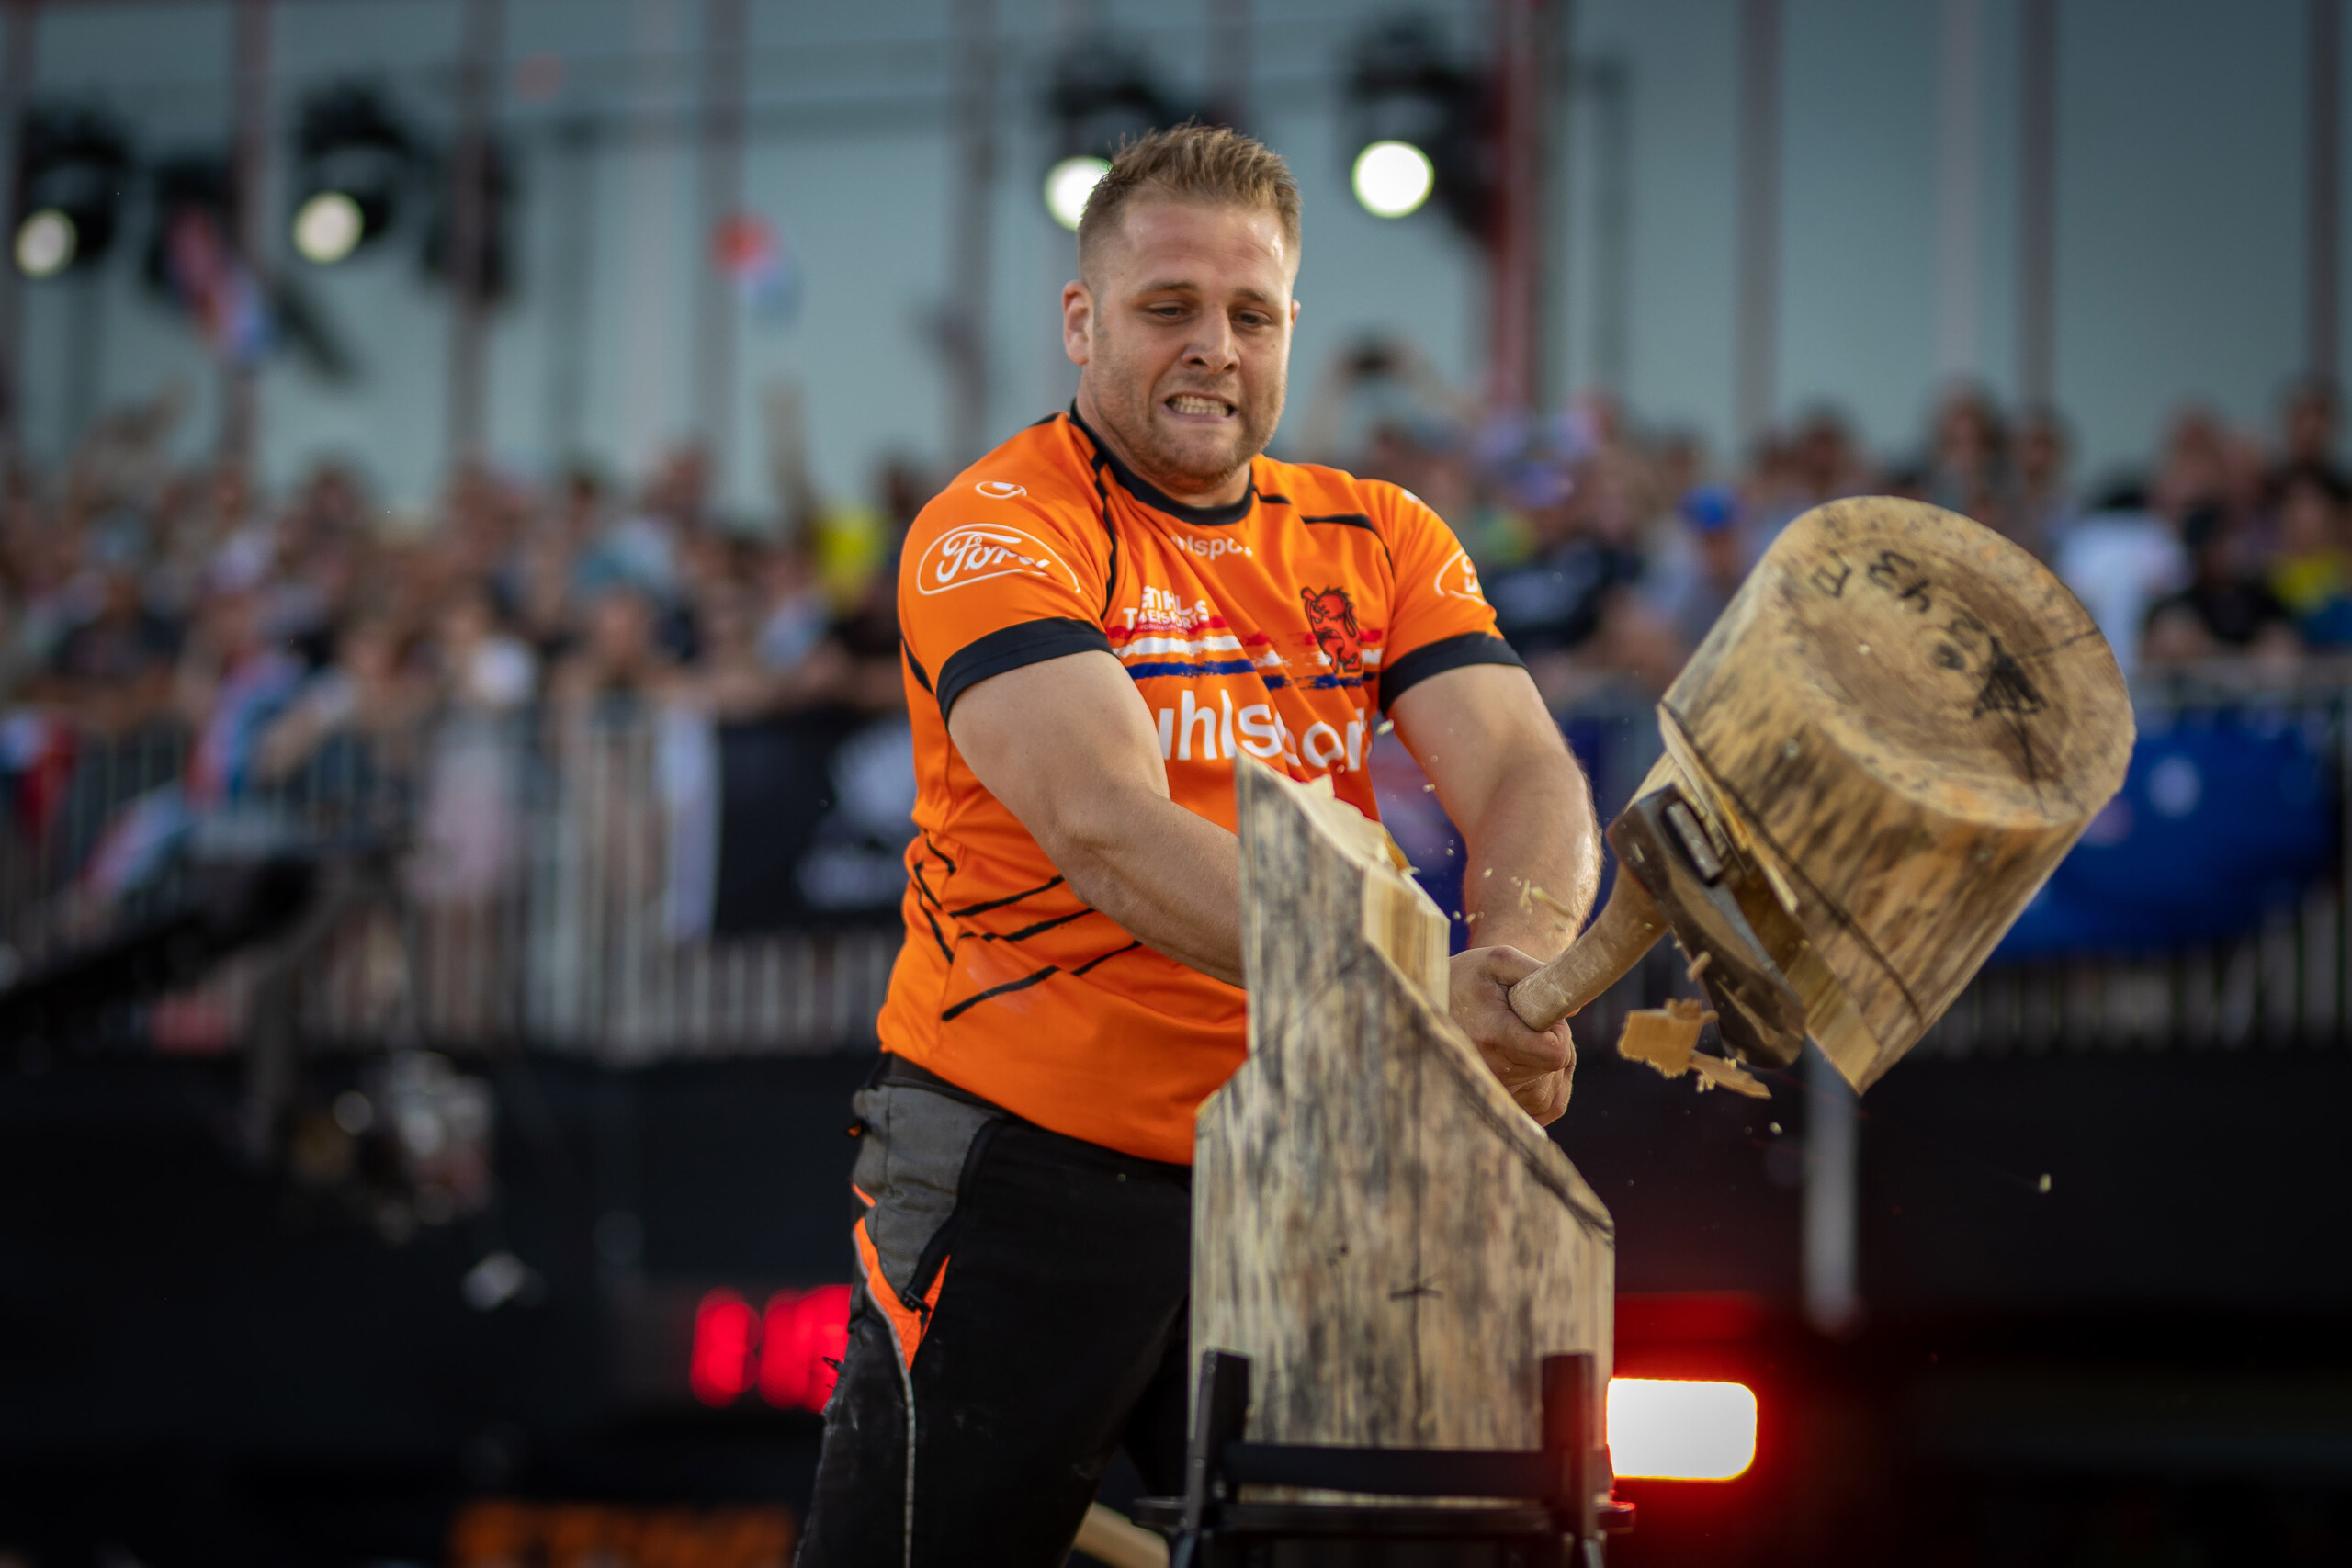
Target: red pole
1515, 245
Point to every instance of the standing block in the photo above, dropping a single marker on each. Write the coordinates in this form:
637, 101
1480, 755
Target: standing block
1392, 1242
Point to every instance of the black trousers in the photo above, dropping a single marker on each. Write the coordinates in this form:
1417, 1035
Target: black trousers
1021, 1315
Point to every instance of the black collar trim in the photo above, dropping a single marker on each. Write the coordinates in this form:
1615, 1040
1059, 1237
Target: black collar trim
1158, 499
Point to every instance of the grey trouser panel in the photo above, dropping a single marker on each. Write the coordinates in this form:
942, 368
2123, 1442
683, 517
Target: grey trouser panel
911, 1161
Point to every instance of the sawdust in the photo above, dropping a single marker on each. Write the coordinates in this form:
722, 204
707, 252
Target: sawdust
1530, 896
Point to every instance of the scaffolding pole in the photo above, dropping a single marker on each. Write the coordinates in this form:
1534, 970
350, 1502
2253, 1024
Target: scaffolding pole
248, 217
725, 41
1515, 247
470, 221
965, 328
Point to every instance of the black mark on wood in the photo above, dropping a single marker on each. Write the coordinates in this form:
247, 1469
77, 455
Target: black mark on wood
1831, 582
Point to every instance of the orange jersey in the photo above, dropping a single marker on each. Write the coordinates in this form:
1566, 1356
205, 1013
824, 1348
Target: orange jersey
1279, 628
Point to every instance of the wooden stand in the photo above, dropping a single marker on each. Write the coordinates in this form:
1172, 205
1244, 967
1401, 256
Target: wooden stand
1393, 1244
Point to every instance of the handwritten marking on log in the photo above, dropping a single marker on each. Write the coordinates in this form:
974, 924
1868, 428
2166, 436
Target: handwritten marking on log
1903, 803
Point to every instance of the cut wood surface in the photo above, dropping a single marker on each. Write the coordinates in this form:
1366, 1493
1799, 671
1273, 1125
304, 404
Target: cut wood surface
1394, 1243
1902, 722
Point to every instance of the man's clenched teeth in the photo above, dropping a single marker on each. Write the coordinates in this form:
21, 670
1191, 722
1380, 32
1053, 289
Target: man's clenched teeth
1194, 403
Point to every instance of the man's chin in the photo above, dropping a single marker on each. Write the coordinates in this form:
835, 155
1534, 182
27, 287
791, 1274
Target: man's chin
1194, 461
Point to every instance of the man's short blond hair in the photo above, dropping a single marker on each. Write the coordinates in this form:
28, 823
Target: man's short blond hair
1211, 164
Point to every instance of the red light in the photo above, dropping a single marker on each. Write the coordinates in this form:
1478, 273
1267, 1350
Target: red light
803, 1337
726, 1335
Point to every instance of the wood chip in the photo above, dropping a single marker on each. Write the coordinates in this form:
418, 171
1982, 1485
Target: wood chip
1717, 1072
1662, 1038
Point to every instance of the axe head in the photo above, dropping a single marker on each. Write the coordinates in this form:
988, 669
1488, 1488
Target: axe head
1662, 843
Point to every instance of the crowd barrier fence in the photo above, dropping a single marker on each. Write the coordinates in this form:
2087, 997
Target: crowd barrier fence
546, 880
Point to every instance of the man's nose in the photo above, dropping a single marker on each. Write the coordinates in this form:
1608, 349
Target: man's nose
1213, 346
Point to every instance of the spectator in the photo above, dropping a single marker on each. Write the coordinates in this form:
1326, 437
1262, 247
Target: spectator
1703, 567
2224, 608
370, 692
112, 672
486, 670
2308, 424
2310, 574
2042, 508
618, 656
1967, 469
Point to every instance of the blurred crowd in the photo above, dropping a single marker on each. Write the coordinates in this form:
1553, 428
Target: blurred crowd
1609, 549
139, 594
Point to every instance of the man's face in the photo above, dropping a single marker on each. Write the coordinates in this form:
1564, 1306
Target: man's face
1182, 336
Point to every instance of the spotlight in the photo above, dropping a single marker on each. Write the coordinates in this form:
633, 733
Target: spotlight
1416, 128
71, 171
45, 243
1069, 182
1393, 178
1102, 98
328, 228
352, 161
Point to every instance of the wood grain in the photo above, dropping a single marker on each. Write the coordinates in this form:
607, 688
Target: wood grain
1902, 722
1394, 1244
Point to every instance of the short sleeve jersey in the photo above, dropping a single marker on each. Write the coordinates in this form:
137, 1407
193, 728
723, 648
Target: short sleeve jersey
1279, 627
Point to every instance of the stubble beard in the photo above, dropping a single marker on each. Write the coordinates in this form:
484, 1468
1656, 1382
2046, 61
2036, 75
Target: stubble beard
1128, 406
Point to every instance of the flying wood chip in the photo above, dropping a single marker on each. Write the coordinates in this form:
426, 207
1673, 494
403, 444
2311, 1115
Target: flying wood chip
1663, 1038
1715, 1072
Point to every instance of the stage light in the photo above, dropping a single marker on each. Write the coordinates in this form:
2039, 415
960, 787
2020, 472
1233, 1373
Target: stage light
45, 243
1671, 1430
1102, 98
1069, 182
72, 166
327, 228
1393, 178
1414, 125
353, 161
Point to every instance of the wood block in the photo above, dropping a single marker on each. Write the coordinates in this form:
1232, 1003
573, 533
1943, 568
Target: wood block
1394, 1244
1901, 724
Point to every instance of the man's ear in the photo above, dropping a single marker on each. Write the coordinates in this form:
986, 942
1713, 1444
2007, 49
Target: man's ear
1077, 320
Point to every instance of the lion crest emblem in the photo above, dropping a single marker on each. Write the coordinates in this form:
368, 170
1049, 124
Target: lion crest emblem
1331, 617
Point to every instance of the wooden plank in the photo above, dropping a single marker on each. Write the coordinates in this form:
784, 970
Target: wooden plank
1394, 1244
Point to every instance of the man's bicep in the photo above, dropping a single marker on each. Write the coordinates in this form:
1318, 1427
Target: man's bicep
1044, 737
1468, 727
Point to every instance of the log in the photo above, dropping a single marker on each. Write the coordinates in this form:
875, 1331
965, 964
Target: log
1897, 728
1392, 1243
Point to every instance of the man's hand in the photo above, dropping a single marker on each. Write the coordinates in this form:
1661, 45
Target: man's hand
1505, 778
1534, 1065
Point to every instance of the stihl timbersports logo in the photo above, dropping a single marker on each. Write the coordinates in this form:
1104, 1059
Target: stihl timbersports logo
1331, 616
978, 553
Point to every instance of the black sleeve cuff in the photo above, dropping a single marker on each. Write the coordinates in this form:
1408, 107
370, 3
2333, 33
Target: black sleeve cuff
1437, 658
1010, 648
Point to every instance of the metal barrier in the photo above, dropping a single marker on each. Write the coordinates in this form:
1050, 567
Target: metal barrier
530, 896
543, 869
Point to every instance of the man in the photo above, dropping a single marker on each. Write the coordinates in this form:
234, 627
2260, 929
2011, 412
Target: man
1101, 618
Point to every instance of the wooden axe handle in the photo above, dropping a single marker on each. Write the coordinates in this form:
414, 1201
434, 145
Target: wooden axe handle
1630, 924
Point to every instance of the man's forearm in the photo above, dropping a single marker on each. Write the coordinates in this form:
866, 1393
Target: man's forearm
1535, 859
1169, 878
